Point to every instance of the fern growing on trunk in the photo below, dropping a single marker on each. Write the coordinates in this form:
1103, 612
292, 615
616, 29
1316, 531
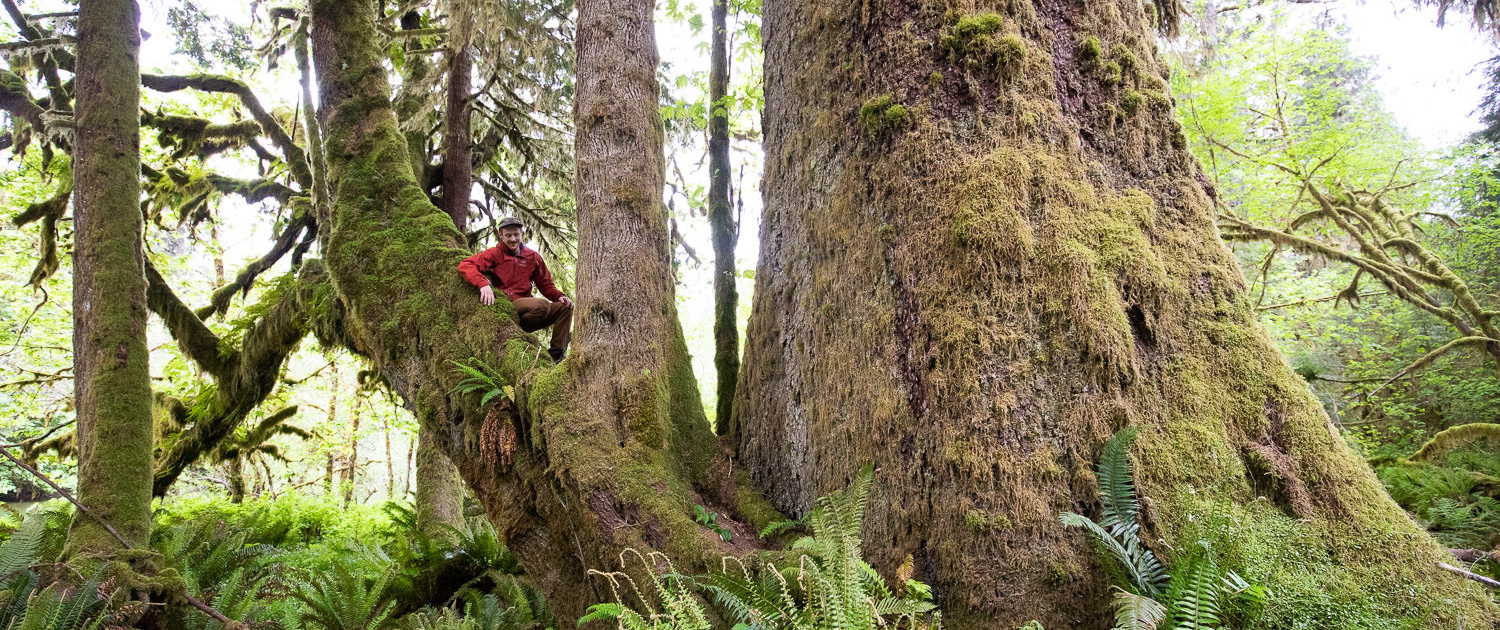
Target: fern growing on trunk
1198, 595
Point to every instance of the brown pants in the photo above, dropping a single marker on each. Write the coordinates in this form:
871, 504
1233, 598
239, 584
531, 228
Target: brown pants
537, 313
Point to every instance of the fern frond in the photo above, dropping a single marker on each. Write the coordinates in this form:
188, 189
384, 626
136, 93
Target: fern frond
1144, 571
22, 548
1117, 499
1137, 612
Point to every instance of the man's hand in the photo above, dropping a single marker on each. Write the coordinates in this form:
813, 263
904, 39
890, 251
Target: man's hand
486, 296
566, 300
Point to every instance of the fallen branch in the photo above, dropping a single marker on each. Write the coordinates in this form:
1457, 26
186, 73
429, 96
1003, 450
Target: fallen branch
1471, 575
195, 602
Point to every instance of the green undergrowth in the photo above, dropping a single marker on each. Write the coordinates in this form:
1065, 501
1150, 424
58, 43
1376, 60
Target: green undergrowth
289, 563
820, 581
1451, 486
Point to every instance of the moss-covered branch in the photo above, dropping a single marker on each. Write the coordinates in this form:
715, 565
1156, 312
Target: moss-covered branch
245, 280
16, 100
294, 156
199, 137
48, 212
195, 339
1386, 247
249, 375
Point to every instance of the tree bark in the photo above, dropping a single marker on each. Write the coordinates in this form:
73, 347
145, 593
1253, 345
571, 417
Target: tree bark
722, 222
440, 491
234, 470
112, 380
608, 450
458, 166
985, 250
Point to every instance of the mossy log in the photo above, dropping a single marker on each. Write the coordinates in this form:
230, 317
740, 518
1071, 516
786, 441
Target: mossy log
975, 299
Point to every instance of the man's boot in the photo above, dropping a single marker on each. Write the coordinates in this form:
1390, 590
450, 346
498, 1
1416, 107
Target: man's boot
556, 354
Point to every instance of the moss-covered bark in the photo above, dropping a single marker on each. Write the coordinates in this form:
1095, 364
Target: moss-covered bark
440, 491
111, 377
722, 223
610, 449
985, 249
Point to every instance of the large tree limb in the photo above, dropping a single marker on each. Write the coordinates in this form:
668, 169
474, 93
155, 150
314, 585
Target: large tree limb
195, 339
254, 374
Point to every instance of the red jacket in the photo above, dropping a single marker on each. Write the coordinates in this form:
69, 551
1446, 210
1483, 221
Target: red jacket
516, 272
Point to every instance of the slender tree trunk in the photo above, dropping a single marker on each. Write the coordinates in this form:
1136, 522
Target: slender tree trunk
390, 464
218, 249
335, 388
458, 168
234, 469
608, 450
351, 454
985, 249
112, 381
411, 455
721, 220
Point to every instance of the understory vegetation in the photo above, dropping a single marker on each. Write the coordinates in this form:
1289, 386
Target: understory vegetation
287, 563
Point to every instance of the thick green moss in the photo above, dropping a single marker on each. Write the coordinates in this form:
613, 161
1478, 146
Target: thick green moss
882, 114
1089, 49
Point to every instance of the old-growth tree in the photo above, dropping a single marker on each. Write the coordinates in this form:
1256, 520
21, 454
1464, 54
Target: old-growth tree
112, 381
985, 250
608, 450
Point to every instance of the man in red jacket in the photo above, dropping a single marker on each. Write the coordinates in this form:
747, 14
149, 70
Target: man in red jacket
517, 268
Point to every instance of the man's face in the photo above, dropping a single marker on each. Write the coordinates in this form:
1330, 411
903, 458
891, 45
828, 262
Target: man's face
510, 236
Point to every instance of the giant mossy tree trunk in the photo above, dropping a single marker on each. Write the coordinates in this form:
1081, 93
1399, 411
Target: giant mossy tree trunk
112, 382
608, 450
993, 201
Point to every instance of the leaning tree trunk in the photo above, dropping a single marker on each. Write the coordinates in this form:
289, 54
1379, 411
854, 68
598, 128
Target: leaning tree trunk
985, 249
112, 381
609, 450
439, 503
